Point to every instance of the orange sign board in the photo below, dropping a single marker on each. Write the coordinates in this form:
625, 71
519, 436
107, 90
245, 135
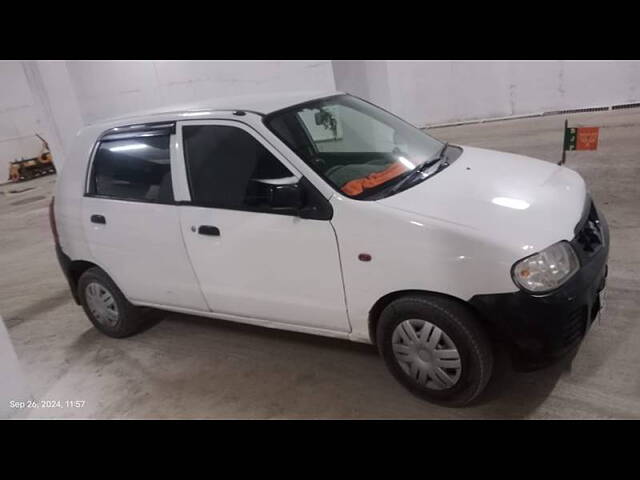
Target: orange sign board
587, 138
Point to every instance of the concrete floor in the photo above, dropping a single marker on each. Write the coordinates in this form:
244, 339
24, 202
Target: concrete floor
187, 367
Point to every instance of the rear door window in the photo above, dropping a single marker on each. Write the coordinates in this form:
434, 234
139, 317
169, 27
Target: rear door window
137, 168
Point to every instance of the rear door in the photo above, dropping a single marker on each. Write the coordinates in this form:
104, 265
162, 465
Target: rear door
252, 260
131, 220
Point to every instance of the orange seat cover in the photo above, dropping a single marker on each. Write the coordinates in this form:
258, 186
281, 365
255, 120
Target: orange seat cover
358, 185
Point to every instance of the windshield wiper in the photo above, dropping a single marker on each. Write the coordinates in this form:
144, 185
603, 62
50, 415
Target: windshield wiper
437, 158
419, 169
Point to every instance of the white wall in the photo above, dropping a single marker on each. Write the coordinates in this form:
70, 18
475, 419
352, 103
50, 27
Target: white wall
57, 98
19, 117
429, 92
55, 104
368, 79
110, 88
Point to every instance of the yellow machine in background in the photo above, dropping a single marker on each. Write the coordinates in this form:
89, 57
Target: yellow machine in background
26, 169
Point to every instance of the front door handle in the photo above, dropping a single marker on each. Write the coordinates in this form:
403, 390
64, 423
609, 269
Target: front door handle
208, 230
98, 219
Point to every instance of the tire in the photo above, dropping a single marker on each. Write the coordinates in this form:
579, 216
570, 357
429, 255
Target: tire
431, 370
128, 319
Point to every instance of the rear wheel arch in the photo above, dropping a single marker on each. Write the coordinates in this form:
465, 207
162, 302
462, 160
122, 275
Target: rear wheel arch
78, 267
75, 270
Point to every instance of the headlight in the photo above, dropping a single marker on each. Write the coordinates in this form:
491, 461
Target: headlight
546, 270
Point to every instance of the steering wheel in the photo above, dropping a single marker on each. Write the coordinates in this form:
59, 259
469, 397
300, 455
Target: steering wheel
318, 162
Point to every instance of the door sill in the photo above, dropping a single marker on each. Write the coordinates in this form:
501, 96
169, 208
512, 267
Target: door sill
257, 321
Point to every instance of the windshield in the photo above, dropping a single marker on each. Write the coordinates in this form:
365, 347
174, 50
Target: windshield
356, 147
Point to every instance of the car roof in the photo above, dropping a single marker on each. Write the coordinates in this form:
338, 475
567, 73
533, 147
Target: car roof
262, 104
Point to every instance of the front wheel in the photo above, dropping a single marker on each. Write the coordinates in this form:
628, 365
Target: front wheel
435, 347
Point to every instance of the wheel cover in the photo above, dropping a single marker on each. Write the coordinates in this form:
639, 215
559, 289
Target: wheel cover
101, 303
426, 354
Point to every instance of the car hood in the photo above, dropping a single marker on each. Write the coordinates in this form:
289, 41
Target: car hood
521, 202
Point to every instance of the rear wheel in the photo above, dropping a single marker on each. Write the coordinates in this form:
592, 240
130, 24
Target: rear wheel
435, 347
106, 306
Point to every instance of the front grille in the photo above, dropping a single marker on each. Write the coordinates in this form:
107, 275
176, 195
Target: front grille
589, 238
575, 327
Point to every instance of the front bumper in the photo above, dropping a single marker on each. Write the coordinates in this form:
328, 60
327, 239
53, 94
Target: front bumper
541, 328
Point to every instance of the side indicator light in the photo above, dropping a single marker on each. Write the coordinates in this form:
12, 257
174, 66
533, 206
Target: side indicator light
364, 257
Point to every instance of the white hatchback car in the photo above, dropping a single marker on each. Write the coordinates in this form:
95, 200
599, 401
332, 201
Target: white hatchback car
327, 215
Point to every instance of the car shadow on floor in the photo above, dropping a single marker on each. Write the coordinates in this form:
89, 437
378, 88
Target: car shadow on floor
510, 393
336, 378
516, 394
252, 332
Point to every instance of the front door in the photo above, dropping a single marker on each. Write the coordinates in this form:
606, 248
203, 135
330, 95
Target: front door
250, 259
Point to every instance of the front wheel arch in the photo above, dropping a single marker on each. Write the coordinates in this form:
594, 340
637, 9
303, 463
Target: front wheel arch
382, 302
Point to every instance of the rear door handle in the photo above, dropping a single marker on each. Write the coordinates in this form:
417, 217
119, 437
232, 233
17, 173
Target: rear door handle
208, 230
98, 219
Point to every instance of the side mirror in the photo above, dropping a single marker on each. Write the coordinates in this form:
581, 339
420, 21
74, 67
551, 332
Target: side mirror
286, 196
299, 199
